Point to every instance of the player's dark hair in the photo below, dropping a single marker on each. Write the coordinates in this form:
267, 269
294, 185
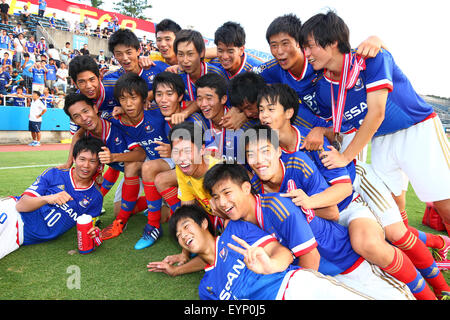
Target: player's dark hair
189, 36
167, 25
288, 23
326, 28
213, 81
130, 82
194, 212
80, 64
187, 130
225, 171
283, 94
124, 37
245, 87
170, 79
257, 133
73, 98
87, 143
230, 34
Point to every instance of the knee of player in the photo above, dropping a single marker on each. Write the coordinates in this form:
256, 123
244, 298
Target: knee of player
132, 169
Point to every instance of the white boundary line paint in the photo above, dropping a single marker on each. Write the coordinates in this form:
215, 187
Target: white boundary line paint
31, 166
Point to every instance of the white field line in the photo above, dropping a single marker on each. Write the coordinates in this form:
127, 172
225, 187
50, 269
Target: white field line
31, 166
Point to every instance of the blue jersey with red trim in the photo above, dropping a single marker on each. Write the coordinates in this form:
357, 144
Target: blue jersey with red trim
331, 239
190, 93
247, 64
52, 220
332, 176
404, 107
113, 138
150, 129
229, 278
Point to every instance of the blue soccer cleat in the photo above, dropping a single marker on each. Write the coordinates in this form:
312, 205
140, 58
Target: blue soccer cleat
150, 235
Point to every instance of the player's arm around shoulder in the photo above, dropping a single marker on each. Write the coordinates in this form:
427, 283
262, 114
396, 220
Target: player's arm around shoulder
28, 203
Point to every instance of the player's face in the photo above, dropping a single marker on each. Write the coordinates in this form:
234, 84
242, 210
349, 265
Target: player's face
232, 199
132, 103
273, 115
128, 57
164, 42
263, 158
229, 57
86, 165
317, 56
190, 235
286, 50
84, 115
188, 58
186, 156
249, 109
209, 103
88, 84
167, 99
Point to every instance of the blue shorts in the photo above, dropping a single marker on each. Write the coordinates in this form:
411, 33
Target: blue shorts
34, 126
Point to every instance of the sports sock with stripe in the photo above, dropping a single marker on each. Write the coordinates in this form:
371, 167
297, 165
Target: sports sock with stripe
154, 203
130, 194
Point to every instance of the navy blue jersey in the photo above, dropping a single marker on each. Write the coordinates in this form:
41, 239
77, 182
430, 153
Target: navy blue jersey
52, 220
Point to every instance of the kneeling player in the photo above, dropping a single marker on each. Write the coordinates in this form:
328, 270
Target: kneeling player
51, 205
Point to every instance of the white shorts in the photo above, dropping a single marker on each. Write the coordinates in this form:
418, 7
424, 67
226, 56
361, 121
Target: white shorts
307, 284
358, 208
422, 152
375, 193
346, 139
11, 227
370, 280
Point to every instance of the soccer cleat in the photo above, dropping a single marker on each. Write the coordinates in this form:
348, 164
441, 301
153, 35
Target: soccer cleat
443, 265
32, 143
37, 144
150, 235
113, 230
444, 250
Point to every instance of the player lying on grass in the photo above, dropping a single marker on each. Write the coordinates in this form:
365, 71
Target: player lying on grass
51, 205
245, 262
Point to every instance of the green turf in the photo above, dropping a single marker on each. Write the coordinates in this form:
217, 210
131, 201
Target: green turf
115, 270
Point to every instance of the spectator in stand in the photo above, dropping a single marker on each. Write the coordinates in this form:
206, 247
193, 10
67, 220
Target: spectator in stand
54, 54
87, 26
19, 48
18, 29
42, 46
47, 98
4, 8
59, 103
50, 73
65, 53
18, 98
39, 71
4, 40
62, 74
24, 14
5, 81
84, 51
31, 48
52, 20
27, 73
16, 80
101, 56
37, 110
42, 7
11, 42
6, 61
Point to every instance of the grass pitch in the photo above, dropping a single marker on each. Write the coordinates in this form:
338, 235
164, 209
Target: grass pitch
115, 271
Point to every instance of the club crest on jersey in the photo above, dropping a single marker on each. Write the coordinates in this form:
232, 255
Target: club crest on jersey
148, 128
62, 187
223, 254
150, 78
85, 202
117, 141
358, 85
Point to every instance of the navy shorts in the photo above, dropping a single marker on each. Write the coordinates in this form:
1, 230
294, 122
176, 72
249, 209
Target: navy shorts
34, 126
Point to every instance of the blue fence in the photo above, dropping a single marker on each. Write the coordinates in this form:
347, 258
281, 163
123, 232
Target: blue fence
16, 119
